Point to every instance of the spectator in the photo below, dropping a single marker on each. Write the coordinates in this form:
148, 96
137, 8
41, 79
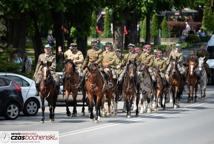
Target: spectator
50, 39
26, 63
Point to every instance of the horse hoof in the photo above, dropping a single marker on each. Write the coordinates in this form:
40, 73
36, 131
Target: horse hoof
128, 116
42, 121
83, 113
68, 114
74, 115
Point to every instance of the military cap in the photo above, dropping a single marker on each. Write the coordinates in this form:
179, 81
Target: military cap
47, 46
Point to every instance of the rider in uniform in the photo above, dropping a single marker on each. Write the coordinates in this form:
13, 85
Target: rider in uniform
160, 63
108, 60
175, 54
147, 58
94, 55
129, 57
46, 57
76, 56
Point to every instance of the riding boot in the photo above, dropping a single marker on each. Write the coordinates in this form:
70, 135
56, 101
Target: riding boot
37, 87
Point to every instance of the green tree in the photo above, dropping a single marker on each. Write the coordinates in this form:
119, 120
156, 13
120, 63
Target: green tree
208, 16
155, 28
107, 23
164, 28
93, 33
143, 29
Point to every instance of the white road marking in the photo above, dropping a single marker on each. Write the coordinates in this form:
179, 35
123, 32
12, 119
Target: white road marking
85, 130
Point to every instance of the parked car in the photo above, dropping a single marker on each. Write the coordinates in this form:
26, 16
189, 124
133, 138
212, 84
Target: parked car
30, 96
11, 100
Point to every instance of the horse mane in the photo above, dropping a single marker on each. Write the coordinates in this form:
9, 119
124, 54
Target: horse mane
71, 62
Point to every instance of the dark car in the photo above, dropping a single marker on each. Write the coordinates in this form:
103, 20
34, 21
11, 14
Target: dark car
11, 101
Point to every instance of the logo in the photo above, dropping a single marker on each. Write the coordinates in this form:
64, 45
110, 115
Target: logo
4, 137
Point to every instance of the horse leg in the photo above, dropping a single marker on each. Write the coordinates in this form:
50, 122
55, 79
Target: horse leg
68, 113
43, 109
196, 89
74, 114
83, 101
90, 105
163, 101
128, 107
137, 103
98, 105
51, 113
189, 97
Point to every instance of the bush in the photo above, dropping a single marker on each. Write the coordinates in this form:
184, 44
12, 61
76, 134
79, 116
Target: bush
192, 38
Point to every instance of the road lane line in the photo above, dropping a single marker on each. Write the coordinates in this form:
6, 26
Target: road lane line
85, 130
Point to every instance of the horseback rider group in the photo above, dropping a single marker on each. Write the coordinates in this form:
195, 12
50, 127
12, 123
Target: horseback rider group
112, 60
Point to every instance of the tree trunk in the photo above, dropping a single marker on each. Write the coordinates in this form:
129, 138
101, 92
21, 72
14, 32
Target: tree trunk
82, 44
132, 36
58, 32
148, 30
17, 26
118, 36
37, 41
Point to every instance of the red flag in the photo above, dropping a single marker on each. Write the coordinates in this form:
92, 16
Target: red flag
125, 31
98, 30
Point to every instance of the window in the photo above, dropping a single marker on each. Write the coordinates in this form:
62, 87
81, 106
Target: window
20, 81
4, 82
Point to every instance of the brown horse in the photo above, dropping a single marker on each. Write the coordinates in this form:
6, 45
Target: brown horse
48, 90
71, 84
94, 86
175, 81
192, 79
160, 88
130, 87
109, 94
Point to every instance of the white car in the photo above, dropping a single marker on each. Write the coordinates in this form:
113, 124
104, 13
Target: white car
30, 96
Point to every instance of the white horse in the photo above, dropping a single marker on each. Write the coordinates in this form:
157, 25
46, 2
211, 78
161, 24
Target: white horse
201, 72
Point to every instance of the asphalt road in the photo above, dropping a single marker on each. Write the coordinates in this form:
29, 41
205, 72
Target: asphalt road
189, 124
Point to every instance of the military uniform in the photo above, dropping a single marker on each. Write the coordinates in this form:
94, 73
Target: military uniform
77, 58
179, 58
147, 59
44, 58
93, 56
161, 64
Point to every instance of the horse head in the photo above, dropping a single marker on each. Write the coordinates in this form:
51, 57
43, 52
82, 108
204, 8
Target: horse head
70, 68
192, 65
46, 73
201, 61
131, 69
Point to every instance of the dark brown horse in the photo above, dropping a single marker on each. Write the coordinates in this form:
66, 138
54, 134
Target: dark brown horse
130, 87
71, 84
175, 81
109, 94
161, 89
192, 79
48, 90
94, 85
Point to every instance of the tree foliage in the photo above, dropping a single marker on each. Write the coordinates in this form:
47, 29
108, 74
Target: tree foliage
107, 24
164, 28
208, 16
143, 29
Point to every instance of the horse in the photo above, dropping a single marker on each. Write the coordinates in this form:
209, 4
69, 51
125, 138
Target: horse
161, 89
202, 74
48, 90
109, 93
175, 81
94, 86
71, 85
192, 79
146, 89
130, 87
